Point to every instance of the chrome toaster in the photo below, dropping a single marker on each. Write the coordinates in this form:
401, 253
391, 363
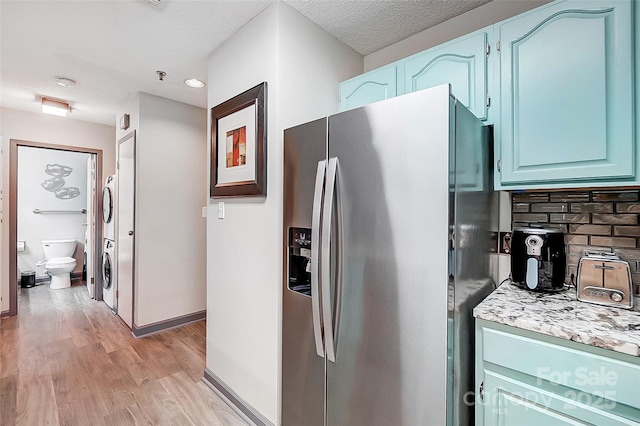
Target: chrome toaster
604, 279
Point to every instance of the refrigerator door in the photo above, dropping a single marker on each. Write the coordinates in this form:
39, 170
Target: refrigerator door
302, 369
473, 205
391, 348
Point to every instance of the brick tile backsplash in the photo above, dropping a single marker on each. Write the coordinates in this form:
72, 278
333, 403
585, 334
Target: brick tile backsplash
615, 219
628, 207
549, 207
568, 218
591, 220
614, 196
591, 207
574, 197
590, 229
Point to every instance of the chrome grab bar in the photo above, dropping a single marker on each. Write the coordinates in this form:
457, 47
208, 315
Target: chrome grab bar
38, 211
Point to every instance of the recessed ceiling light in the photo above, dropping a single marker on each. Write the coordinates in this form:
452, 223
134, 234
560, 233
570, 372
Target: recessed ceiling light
194, 82
65, 82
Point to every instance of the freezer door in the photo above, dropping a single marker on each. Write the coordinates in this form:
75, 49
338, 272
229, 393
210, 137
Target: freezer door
393, 179
302, 369
474, 205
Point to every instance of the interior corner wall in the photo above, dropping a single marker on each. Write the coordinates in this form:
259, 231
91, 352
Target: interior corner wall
312, 63
480, 17
242, 248
170, 193
52, 130
302, 65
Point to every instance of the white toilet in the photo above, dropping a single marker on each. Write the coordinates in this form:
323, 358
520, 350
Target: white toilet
59, 263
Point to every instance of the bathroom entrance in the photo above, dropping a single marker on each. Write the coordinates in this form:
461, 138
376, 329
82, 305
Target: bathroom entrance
54, 232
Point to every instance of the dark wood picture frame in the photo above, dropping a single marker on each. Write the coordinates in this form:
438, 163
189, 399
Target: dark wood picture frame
257, 186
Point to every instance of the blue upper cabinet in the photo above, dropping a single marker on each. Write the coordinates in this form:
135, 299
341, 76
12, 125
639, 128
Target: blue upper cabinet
461, 63
373, 86
567, 100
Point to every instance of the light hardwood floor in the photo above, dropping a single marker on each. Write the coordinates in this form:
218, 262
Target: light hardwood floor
67, 360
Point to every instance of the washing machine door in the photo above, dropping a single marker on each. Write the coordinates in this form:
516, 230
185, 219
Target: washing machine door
106, 270
107, 205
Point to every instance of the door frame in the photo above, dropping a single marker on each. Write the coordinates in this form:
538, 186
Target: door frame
13, 210
131, 136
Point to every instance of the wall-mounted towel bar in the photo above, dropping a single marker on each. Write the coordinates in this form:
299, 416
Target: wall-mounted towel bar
38, 211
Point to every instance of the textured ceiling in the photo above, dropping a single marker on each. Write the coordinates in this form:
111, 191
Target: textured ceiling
370, 25
113, 48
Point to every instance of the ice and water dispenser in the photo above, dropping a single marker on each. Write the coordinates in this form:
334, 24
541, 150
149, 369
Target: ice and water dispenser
300, 260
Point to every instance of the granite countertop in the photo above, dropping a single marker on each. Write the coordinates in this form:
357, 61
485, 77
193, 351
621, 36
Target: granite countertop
562, 315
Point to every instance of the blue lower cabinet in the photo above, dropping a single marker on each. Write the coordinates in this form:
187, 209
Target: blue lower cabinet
516, 403
525, 378
370, 87
567, 96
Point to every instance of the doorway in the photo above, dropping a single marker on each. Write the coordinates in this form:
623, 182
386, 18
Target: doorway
125, 236
96, 206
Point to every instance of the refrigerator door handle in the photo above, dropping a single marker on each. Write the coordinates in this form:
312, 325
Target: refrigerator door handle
315, 256
331, 322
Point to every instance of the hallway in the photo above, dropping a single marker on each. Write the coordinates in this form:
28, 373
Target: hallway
67, 360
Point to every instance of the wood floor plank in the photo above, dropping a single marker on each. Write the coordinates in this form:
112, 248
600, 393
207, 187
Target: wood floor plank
66, 359
192, 362
129, 360
225, 414
8, 362
200, 407
35, 403
8, 392
155, 402
129, 416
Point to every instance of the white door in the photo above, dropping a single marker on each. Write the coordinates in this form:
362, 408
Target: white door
90, 224
125, 228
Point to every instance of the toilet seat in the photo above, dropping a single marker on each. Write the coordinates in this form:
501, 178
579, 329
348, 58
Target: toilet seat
60, 268
59, 261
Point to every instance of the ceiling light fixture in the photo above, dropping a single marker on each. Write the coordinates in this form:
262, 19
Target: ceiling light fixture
65, 82
55, 107
194, 82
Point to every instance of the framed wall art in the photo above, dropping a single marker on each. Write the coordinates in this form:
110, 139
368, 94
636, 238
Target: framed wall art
238, 145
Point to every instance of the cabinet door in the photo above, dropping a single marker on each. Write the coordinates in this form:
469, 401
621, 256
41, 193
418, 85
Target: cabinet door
509, 402
566, 79
461, 63
364, 89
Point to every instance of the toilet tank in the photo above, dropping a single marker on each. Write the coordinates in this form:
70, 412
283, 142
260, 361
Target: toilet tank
58, 248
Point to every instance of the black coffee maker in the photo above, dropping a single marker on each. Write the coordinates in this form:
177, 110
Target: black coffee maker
538, 258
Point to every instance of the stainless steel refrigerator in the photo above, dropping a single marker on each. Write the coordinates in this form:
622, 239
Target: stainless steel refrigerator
387, 217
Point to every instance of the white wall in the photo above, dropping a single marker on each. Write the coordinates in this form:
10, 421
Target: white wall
33, 228
302, 66
170, 193
483, 16
52, 130
242, 250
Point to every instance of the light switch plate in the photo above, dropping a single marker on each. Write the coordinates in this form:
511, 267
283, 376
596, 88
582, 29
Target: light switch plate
221, 210
204, 212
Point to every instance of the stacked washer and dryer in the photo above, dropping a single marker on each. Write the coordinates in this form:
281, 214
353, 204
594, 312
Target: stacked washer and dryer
109, 246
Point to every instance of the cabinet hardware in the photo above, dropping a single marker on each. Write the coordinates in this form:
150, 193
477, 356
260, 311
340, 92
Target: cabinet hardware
498, 164
488, 49
498, 46
488, 100
481, 391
